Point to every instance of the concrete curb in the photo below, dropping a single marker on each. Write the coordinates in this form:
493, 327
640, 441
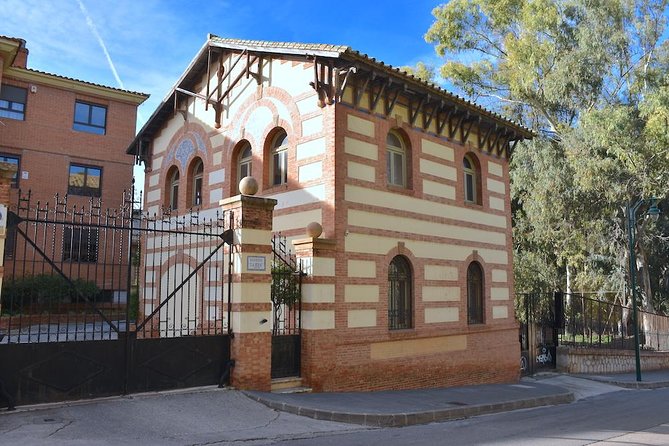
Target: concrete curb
412, 418
636, 385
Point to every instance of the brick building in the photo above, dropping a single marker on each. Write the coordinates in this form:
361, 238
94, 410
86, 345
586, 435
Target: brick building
411, 282
64, 136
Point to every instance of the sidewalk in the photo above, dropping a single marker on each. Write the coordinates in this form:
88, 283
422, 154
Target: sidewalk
210, 415
407, 407
649, 380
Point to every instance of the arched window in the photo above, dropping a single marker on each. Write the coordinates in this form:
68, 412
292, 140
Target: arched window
400, 299
173, 188
396, 160
244, 162
279, 165
196, 182
475, 294
472, 179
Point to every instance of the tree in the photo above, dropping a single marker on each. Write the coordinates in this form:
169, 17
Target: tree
588, 76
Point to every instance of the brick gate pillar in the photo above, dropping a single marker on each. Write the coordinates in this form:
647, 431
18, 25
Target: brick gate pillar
319, 343
251, 346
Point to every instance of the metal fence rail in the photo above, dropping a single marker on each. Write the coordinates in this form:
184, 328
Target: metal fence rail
590, 322
78, 272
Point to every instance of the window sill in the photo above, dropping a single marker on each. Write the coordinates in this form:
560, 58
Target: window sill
400, 189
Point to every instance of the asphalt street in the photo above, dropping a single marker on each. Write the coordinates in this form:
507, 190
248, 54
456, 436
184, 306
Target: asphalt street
603, 414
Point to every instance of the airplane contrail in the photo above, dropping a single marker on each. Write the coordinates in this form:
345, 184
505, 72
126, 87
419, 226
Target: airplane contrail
94, 30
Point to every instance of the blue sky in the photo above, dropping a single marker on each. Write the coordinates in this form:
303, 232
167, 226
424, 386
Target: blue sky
150, 42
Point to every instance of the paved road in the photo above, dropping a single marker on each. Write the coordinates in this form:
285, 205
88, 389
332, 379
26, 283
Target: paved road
624, 417
196, 418
604, 413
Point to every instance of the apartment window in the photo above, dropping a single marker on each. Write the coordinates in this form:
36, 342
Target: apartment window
85, 180
90, 118
280, 158
80, 244
400, 299
14, 160
472, 178
173, 188
13, 102
244, 162
475, 293
197, 172
396, 164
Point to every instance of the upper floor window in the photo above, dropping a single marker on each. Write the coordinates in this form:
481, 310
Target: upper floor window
173, 188
90, 118
280, 158
472, 179
85, 180
400, 295
16, 161
13, 102
244, 162
475, 294
396, 160
197, 172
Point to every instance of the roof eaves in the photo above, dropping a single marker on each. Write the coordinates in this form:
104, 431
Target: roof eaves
46, 74
357, 55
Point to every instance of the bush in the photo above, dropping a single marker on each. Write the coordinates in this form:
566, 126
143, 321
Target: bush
285, 285
45, 290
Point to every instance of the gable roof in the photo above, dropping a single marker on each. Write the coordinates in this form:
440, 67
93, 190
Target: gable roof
341, 52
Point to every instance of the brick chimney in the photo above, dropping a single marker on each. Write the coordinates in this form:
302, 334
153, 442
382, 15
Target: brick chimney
21, 59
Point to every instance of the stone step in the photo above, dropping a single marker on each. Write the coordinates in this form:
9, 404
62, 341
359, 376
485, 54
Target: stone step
289, 385
300, 389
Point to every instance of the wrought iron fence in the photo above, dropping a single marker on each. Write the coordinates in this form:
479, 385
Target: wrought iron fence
82, 272
605, 323
286, 289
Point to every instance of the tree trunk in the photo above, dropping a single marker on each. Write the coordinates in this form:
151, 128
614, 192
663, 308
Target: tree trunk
646, 303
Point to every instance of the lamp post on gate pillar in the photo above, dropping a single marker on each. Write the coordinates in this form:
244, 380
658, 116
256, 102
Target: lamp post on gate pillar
652, 212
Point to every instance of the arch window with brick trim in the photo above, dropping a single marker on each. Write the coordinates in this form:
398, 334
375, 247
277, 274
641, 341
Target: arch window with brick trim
400, 294
472, 179
244, 162
279, 162
196, 181
475, 308
396, 159
172, 193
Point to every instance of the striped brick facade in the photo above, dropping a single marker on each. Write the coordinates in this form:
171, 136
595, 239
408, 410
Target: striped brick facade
337, 176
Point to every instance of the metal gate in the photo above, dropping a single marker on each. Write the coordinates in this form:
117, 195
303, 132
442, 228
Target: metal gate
539, 315
286, 311
100, 302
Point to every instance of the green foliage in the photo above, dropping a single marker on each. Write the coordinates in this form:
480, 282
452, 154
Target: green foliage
285, 285
44, 291
133, 305
421, 71
590, 78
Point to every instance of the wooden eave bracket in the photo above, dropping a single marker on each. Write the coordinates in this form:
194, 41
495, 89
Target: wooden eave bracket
324, 82
413, 111
222, 75
391, 99
341, 84
374, 97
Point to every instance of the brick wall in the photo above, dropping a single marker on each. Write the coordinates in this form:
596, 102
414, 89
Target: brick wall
47, 144
592, 360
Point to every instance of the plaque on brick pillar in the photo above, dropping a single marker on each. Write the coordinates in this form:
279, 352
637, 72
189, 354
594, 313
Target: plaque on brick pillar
251, 289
